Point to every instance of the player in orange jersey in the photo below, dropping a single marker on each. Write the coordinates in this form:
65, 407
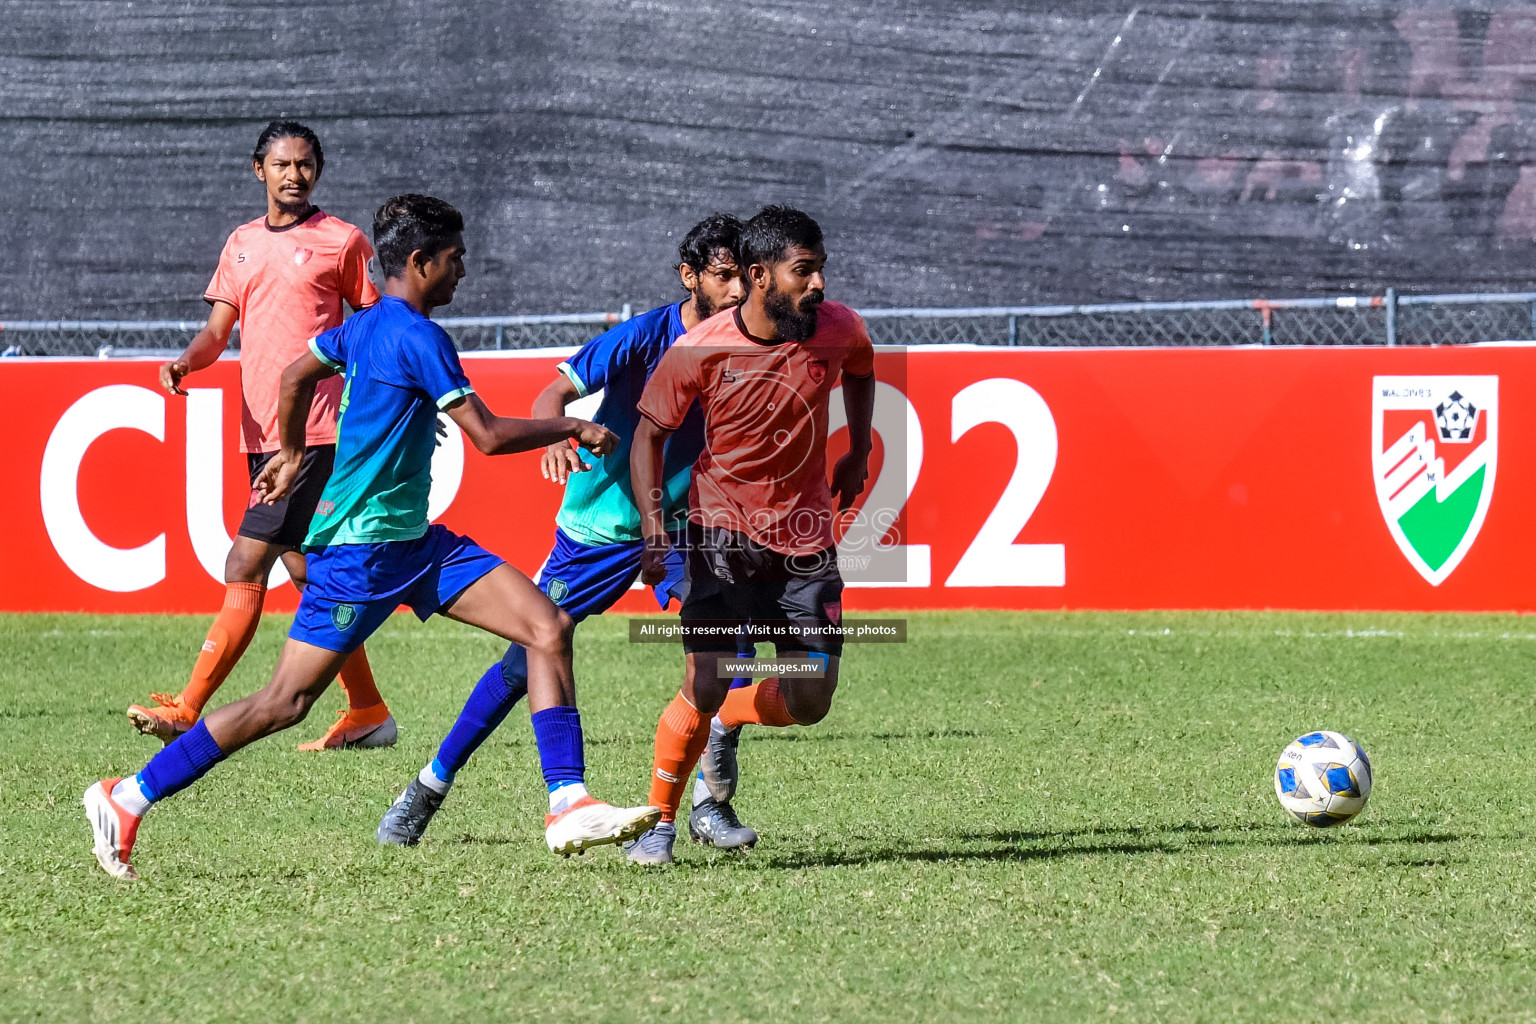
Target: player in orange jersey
760, 509
284, 277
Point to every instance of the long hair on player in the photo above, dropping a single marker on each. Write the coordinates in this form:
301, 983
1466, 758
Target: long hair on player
719, 232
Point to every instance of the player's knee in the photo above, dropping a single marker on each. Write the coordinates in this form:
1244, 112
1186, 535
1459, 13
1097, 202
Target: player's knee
285, 709
553, 634
807, 712
244, 567
807, 706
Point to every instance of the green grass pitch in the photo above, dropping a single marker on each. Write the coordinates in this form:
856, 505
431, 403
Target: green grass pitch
1011, 817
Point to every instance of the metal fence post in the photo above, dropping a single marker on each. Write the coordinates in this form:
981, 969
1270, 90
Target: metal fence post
626, 312
1391, 317
1533, 320
1013, 329
500, 328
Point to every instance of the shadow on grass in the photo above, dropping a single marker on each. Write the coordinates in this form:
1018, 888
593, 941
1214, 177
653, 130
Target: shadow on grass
831, 736
1011, 846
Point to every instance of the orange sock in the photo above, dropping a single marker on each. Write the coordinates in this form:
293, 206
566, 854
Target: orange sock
228, 638
758, 704
356, 678
680, 739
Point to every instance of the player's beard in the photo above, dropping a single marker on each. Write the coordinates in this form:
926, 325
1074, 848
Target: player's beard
792, 323
703, 307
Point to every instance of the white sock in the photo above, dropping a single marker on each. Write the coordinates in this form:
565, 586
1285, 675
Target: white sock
130, 796
700, 791
560, 799
432, 781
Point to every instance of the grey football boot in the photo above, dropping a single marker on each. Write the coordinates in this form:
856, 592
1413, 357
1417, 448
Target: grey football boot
718, 764
653, 848
712, 823
407, 818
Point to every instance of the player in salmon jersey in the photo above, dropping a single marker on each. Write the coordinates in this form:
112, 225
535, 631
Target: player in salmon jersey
760, 523
370, 548
596, 555
283, 276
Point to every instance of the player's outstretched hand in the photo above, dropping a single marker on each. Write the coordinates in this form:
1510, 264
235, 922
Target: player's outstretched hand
653, 559
560, 461
595, 439
171, 374
276, 477
848, 478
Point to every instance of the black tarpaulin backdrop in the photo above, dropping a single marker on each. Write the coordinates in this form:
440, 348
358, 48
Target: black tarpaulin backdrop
956, 153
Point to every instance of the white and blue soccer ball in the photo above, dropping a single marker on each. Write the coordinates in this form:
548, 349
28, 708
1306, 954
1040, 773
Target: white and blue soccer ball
1323, 779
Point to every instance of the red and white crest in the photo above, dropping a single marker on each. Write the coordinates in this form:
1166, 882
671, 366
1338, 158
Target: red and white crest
817, 370
301, 256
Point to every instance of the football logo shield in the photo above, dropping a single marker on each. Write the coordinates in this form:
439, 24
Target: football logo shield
1434, 450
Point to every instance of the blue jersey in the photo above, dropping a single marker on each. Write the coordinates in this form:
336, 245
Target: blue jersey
599, 505
400, 369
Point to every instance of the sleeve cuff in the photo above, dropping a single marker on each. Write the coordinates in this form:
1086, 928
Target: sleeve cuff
327, 360
453, 396
656, 420
576, 381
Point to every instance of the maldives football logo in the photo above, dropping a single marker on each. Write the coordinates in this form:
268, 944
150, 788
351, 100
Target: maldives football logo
1434, 450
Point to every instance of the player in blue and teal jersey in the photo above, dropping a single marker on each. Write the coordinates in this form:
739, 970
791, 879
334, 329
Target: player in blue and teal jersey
370, 548
596, 554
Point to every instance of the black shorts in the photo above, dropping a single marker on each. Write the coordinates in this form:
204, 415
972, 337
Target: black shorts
286, 523
732, 579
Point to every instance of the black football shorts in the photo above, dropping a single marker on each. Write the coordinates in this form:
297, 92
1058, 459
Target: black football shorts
286, 522
733, 579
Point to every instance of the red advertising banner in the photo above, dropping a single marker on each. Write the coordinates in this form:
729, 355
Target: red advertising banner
1021, 478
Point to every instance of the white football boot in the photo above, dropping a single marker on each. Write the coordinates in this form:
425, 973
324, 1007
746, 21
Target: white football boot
114, 828
590, 822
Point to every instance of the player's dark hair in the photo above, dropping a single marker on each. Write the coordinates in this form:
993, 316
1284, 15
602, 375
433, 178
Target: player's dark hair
768, 235
718, 231
288, 130
410, 222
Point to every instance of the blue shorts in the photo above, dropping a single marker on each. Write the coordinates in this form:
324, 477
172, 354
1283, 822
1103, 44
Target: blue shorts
586, 579
353, 588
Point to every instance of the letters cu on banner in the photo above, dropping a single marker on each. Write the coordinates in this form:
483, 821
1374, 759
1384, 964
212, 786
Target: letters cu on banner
1235, 478
132, 407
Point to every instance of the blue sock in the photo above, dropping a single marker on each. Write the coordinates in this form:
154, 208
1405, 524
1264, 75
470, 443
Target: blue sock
558, 734
503, 685
181, 763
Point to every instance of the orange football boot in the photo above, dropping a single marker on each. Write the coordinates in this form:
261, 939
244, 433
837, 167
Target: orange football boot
358, 727
172, 718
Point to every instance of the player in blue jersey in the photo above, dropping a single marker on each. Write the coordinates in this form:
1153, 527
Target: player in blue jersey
596, 555
370, 548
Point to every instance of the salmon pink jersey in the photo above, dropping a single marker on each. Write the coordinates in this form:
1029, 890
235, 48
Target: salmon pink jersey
763, 471
288, 284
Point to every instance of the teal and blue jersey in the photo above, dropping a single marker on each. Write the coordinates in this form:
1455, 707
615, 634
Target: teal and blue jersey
599, 505
399, 368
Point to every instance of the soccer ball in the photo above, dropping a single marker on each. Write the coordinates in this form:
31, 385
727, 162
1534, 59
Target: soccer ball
1455, 418
1323, 779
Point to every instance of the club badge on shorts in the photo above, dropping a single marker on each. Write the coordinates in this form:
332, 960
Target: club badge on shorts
343, 615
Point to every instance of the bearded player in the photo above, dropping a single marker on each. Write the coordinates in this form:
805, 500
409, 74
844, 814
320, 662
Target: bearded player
596, 556
370, 547
284, 277
760, 545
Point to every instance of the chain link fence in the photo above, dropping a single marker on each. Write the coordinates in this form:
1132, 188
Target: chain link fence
1358, 320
